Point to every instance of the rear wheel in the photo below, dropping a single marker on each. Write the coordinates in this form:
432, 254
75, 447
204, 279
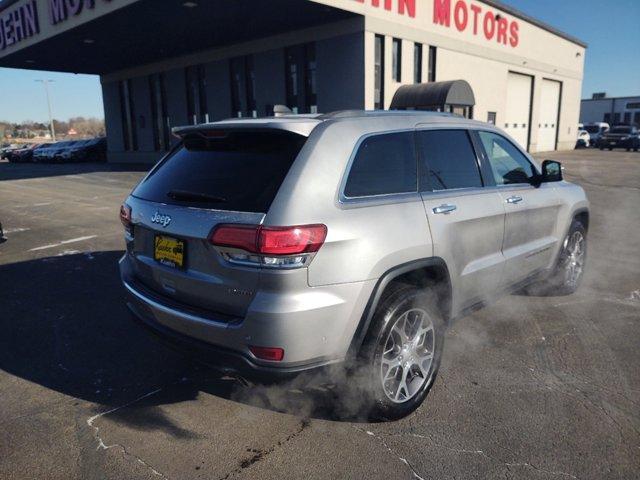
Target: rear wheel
402, 351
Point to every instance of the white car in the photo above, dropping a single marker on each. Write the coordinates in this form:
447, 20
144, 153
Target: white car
584, 139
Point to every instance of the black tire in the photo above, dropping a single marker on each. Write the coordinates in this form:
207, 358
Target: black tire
628, 149
398, 300
559, 283
610, 148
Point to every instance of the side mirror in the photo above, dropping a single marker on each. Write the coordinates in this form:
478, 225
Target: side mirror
551, 171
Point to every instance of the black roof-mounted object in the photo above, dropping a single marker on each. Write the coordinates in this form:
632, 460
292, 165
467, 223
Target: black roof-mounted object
455, 96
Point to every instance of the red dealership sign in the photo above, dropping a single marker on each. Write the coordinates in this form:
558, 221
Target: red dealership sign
403, 7
492, 25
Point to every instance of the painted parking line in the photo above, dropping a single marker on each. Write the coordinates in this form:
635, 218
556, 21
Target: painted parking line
64, 242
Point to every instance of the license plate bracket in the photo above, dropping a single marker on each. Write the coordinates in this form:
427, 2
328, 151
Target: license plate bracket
169, 251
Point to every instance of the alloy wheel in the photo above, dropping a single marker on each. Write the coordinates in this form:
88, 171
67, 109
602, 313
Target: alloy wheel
408, 355
574, 261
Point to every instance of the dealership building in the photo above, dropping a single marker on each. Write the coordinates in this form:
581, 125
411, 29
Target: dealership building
175, 62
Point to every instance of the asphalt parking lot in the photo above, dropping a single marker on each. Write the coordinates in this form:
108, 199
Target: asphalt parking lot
530, 388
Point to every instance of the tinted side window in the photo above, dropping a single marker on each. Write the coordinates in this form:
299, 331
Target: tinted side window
383, 164
508, 164
448, 160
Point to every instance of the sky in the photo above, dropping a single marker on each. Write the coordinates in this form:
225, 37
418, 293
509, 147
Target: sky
611, 28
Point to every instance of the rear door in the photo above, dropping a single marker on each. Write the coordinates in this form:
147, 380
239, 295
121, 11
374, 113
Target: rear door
531, 212
466, 219
217, 177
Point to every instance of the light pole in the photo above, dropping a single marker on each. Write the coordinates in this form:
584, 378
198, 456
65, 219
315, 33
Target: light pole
46, 89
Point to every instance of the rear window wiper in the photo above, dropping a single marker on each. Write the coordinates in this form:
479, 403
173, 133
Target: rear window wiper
186, 196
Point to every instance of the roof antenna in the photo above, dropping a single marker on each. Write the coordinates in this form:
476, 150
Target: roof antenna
281, 110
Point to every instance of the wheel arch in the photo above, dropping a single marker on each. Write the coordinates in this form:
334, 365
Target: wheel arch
582, 215
421, 273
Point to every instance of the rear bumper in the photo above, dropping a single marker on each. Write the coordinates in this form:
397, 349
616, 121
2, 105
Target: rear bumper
313, 333
224, 360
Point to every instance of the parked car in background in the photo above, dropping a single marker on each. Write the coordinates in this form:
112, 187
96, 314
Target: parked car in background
596, 129
4, 151
621, 136
92, 150
49, 152
24, 155
55, 155
584, 139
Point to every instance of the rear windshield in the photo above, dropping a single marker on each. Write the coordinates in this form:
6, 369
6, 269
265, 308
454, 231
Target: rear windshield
592, 128
240, 171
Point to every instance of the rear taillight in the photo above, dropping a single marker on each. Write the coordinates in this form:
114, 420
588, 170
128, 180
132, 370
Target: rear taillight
284, 247
125, 218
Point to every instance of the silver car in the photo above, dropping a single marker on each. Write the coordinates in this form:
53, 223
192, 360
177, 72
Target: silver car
281, 245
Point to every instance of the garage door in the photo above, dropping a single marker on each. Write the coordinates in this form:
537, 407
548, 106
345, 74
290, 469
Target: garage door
518, 107
548, 119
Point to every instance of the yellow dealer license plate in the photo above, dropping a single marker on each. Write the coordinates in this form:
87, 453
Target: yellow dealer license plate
169, 251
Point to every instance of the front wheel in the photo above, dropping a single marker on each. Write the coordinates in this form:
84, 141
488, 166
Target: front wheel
402, 351
569, 271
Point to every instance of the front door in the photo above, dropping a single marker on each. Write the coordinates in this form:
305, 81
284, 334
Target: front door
466, 220
531, 212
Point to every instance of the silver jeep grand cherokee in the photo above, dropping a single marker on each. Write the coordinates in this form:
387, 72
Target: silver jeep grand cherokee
280, 245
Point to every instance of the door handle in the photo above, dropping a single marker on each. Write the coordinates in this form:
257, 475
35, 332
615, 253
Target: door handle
445, 208
514, 199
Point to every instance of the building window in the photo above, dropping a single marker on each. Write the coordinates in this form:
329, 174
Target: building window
636, 118
160, 125
491, 118
378, 89
129, 134
432, 64
417, 63
250, 84
196, 84
397, 60
291, 71
607, 118
300, 78
310, 78
236, 68
627, 117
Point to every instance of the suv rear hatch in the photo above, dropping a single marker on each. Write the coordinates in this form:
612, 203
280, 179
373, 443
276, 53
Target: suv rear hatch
213, 177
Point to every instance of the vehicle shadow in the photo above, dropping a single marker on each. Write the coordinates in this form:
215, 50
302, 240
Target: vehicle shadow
64, 325
23, 171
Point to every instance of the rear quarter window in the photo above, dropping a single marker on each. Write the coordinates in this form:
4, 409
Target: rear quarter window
384, 164
235, 171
